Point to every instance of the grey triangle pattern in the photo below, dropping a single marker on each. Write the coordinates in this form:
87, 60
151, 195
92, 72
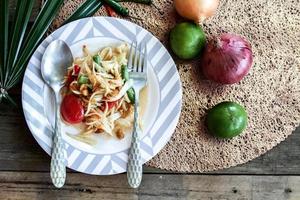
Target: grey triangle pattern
123, 28
70, 39
102, 29
106, 169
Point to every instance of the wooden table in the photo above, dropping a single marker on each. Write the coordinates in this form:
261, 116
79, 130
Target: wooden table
24, 173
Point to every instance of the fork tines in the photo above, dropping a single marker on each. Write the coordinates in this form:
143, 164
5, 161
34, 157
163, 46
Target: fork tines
137, 60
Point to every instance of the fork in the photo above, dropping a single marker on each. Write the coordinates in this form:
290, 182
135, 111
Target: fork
137, 65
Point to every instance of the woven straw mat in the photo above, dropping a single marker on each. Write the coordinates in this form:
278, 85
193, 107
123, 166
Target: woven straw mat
270, 92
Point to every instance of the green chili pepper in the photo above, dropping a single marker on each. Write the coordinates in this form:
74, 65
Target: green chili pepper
118, 8
147, 2
83, 79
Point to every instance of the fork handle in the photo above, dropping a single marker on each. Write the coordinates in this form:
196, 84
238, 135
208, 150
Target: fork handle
134, 166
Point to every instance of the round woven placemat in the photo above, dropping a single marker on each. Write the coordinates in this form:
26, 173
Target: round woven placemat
270, 93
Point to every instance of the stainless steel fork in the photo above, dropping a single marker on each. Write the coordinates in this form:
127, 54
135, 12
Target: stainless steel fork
137, 65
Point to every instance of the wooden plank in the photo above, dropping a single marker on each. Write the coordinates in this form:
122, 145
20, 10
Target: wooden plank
36, 185
19, 151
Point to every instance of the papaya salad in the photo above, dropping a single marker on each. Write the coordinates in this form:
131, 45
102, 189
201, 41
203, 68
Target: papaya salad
98, 93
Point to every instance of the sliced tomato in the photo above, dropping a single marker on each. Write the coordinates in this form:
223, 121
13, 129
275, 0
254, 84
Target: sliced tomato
73, 74
76, 70
71, 78
71, 109
110, 105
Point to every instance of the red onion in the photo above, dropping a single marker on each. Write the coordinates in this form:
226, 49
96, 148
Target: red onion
227, 59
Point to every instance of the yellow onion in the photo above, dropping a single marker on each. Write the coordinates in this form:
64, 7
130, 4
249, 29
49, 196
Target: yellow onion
196, 10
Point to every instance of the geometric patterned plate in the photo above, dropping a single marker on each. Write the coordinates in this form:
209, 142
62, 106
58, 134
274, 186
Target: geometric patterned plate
164, 96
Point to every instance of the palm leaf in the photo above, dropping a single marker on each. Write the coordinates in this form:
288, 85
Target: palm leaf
23, 12
3, 38
86, 9
34, 37
10, 100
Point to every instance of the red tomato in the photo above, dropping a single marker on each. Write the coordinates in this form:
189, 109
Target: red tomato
71, 109
76, 70
70, 79
73, 75
110, 105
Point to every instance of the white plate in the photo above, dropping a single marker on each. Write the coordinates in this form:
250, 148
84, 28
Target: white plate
109, 155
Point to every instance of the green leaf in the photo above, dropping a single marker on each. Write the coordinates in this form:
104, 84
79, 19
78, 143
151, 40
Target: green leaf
22, 16
3, 38
86, 9
10, 100
39, 28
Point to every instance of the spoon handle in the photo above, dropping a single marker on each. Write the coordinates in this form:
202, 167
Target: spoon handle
59, 154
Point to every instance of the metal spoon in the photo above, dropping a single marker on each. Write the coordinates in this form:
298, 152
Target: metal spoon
55, 62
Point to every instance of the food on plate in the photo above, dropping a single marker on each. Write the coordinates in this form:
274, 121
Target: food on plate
227, 59
227, 119
125, 75
187, 40
196, 10
98, 92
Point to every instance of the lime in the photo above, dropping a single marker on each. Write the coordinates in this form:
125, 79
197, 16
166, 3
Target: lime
227, 119
187, 40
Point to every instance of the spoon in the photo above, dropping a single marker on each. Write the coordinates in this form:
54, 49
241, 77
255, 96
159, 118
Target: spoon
55, 62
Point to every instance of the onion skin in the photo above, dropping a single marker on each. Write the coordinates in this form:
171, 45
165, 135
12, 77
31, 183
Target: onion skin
227, 60
196, 10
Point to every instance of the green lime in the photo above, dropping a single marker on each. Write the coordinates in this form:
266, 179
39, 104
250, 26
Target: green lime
187, 40
227, 119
